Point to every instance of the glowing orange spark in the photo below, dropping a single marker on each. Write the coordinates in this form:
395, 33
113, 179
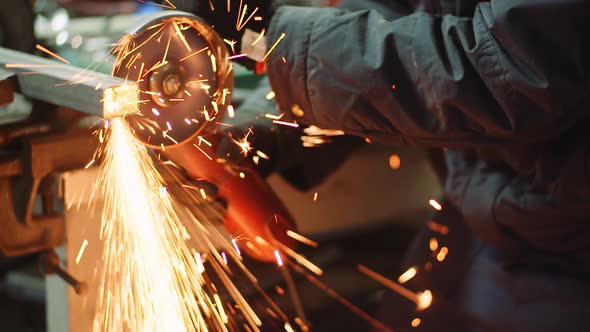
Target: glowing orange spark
237, 56
235, 243
248, 19
170, 5
203, 140
202, 151
406, 276
436, 205
423, 300
274, 117
43, 49
288, 124
24, 65
195, 53
89, 164
273, 46
288, 328
433, 244
436, 227
353, 308
278, 257
203, 193
231, 43
259, 38
302, 239
394, 161
81, 251
301, 259
181, 36
243, 143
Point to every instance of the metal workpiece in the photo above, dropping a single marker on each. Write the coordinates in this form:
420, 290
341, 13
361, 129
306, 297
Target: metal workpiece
65, 85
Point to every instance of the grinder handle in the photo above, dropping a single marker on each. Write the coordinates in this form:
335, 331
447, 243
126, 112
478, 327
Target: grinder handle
254, 211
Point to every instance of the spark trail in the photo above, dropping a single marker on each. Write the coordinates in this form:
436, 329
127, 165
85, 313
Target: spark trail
144, 252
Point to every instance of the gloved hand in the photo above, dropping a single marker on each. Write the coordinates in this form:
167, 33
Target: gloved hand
232, 22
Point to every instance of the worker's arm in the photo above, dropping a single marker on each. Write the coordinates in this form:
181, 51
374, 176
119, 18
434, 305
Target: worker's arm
516, 72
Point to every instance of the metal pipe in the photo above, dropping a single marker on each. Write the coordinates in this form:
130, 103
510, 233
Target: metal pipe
69, 86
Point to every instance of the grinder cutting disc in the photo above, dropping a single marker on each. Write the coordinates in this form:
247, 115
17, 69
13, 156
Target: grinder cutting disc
181, 66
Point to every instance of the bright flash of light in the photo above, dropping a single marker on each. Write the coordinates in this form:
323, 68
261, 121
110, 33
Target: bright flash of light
243, 143
120, 100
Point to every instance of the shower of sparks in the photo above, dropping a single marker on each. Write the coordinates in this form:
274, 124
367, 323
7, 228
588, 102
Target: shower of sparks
157, 254
142, 252
153, 271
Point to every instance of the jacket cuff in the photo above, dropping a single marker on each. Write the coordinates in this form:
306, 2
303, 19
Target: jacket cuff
291, 29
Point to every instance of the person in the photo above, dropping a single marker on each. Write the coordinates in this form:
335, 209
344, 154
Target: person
503, 88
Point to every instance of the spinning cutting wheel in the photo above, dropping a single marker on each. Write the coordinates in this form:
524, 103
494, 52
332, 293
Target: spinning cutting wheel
182, 68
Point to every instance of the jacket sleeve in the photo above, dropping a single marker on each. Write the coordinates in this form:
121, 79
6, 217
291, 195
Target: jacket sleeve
515, 72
